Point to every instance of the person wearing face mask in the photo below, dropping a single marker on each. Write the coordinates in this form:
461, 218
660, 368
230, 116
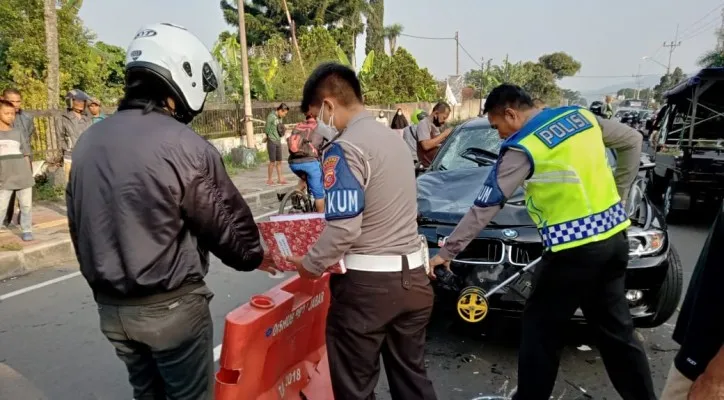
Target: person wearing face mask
559, 154
399, 122
429, 138
383, 303
381, 118
75, 121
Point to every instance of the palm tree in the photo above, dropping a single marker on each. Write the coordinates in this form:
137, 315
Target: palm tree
392, 32
52, 81
714, 58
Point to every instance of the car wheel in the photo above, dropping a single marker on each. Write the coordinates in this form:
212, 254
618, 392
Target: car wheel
666, 300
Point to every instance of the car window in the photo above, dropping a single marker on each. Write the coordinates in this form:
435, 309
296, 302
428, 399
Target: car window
482, 137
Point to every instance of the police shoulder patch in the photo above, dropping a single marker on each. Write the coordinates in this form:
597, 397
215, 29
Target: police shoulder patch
344, 197
491, 194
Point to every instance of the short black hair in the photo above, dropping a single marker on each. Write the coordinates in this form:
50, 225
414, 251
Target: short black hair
441, 106
331, 79
11, 91
147, 92
283, 107
507, 96
5, 103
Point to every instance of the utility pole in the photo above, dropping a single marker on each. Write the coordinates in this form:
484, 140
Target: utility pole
720, 41
248, 125
293, 27
638, 82
482, 78
672, 46
457, 53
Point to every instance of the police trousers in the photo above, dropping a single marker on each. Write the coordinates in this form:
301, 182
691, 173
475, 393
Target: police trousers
167, 346
375, 313
591, 277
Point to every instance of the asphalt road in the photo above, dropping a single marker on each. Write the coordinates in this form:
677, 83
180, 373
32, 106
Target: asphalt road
51, 344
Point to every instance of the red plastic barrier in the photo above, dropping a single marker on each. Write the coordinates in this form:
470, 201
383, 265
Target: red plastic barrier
274, 346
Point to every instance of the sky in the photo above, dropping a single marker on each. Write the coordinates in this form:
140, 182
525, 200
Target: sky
609, 38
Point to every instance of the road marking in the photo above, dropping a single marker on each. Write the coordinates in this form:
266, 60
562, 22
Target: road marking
39, 285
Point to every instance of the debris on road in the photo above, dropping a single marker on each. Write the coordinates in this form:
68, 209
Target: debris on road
659, 349
583, 347
579, 388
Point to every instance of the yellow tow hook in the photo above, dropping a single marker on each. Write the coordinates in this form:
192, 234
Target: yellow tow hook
472, 304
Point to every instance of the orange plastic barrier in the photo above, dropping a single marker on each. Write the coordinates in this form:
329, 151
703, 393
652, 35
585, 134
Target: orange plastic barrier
274, 346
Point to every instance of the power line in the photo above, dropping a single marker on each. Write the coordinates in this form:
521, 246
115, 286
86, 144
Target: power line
609, 76
702, 29
469, 55
426, 37
708, 14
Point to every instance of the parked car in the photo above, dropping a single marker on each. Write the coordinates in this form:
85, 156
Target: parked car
447, 190
689, 146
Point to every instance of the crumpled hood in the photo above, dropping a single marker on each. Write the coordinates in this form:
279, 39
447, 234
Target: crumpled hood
445, 196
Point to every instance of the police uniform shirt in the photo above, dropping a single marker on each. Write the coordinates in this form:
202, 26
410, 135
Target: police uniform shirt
513, 169
370, 196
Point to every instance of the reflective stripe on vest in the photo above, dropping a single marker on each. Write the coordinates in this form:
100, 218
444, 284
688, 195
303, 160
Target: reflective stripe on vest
571, 194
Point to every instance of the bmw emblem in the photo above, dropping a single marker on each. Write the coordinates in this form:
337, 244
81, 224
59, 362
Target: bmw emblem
510, 233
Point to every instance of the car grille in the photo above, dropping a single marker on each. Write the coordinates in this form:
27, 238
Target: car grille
524, 253
483, 251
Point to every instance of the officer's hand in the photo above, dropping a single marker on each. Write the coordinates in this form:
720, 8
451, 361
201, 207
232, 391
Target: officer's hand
297, 261
436, 262
267, 264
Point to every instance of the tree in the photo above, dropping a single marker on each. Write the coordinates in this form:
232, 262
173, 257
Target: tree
715, 57
375, 27
392, 32
266, 18
574, 97
560, 64
52, 79
396, 79
667, 82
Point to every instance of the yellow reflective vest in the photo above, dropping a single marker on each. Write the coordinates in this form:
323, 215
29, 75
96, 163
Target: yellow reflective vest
570, 193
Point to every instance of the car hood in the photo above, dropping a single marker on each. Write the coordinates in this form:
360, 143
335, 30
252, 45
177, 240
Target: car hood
445, 196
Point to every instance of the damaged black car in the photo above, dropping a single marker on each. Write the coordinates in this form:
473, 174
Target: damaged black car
511, 241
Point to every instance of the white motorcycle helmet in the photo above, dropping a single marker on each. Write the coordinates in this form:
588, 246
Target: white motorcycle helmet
180, 60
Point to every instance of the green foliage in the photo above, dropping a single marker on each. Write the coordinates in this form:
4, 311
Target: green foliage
630, 93
45, 191
714, 57
667, 82
537, 78
93, 68
396, 79
375, 27
265, 19
560, 64
574, 97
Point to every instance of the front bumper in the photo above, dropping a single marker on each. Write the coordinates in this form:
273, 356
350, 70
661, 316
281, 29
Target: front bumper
492, 258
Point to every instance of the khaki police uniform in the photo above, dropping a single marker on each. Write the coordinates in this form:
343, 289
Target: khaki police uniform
384, 301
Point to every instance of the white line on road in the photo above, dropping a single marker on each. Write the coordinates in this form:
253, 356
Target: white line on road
39, 285
74, 274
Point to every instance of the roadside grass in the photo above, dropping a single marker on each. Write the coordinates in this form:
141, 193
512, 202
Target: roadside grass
45, 191
11, 247
233, 168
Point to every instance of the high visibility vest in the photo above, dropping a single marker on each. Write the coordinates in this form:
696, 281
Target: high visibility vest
571, 193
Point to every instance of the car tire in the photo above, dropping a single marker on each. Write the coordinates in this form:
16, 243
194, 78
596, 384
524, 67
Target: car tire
671, 215
666, 300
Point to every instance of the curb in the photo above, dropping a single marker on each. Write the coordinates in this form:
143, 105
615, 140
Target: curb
266, 197
31, 258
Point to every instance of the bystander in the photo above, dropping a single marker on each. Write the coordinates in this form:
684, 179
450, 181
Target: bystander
75, 121
25, 123
94, 108
429, 137
274, 133
15, 174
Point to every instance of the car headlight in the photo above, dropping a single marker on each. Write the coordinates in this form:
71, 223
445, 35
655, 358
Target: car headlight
645, 243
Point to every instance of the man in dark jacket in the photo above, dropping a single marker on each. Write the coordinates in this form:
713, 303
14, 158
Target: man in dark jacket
147, 200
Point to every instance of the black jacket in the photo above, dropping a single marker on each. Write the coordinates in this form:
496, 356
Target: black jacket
147, 200
699, 329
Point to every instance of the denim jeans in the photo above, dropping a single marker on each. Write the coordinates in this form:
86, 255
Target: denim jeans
25, 198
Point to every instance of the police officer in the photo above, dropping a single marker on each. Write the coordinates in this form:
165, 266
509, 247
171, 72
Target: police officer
384, 301
558, 155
